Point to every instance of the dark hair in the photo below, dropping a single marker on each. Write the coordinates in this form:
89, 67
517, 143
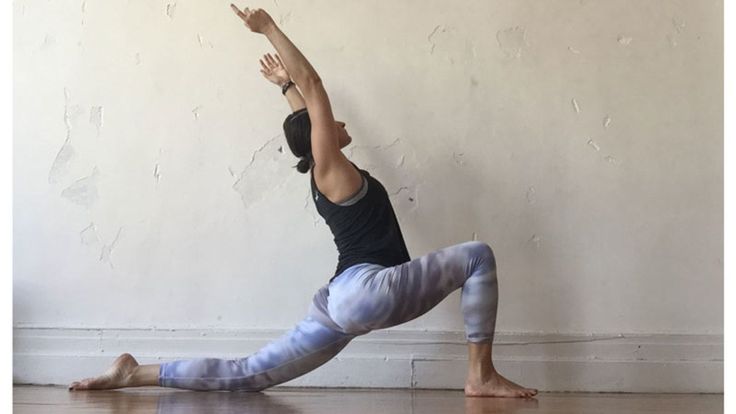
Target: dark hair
298, 132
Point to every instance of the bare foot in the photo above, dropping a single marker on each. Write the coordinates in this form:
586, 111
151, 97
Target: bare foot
117, 376
496, 386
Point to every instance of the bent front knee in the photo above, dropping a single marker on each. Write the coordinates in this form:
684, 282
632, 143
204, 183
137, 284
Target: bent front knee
482, 253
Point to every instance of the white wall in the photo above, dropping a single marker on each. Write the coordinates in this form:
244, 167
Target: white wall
581, 139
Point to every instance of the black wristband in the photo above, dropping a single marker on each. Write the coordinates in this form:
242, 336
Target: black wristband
285, 87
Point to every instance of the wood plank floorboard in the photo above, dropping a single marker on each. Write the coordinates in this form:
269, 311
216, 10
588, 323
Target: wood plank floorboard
281, 400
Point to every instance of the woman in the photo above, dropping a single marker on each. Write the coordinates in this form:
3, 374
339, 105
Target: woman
376, 285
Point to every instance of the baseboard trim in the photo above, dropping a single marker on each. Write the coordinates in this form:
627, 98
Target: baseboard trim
398, 359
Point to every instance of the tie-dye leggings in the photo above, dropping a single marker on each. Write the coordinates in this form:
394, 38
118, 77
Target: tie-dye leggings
363, 298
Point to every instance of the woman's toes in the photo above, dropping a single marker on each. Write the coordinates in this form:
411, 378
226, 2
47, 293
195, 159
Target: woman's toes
84, 384
78, 385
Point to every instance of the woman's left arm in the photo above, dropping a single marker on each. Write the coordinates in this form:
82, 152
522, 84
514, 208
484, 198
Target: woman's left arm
296, 101
274, 70
325, 143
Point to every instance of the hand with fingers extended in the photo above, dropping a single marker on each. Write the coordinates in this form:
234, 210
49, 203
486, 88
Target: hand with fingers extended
256, 20
274, 69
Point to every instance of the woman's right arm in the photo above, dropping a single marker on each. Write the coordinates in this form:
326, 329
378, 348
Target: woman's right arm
325, 145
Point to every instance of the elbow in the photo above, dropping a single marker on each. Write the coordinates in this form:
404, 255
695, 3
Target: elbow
310, 85
308, 80
313, 80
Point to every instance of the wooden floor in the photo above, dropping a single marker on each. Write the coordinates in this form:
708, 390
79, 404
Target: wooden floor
36, 399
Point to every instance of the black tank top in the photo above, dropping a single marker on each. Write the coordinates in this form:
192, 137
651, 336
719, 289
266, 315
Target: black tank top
366, 231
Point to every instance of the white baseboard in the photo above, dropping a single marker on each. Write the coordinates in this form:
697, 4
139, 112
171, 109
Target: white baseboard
398, 359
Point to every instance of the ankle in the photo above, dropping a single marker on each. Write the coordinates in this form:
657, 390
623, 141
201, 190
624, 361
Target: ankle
143, 375
481, 373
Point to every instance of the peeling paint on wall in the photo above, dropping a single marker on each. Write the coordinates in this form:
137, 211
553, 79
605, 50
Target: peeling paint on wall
594, 145
575, 105
88, 235
624, 40
66, 153
672, 40
531, 195
611, 160
202, 41
84, 6
83, 191
157, 168
536, 241
48, 42
437, 28
60, 167
458, 158
170, 10
401, 161
96, 117
67, 115
263, 159
396, 141
195, 112
137, 59
411, 197
284, 18
679, 27
393, 167
156, 174
106, 252
573, 50
606, 121
512, 41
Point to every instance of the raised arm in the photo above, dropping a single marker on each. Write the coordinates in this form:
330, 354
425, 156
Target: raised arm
325, 144
274, 70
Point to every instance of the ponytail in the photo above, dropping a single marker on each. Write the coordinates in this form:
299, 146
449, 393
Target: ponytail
305, 163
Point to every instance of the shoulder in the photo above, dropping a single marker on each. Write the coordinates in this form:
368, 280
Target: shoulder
338, 181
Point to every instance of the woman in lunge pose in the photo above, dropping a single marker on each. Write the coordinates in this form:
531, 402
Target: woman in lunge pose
376, 285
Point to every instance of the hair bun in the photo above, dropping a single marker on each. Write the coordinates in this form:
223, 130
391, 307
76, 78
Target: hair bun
304, 164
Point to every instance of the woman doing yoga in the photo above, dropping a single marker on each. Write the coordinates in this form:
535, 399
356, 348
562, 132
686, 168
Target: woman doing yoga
376, 285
